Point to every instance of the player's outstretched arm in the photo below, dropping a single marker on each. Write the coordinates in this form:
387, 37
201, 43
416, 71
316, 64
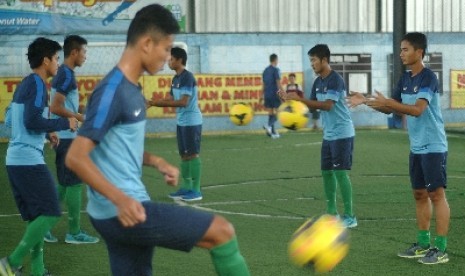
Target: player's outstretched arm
130, 211
170, 172
379, 102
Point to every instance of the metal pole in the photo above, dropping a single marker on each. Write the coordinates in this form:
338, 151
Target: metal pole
398, 32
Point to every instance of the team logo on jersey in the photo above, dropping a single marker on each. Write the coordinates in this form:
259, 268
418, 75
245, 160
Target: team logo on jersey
415, 89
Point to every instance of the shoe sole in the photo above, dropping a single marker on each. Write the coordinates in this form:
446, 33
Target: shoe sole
174, 197
192, 199
50, 241
80, 242
411, 257
439, 262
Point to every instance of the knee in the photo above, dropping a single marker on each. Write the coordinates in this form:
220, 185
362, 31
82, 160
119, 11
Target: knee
437, 195
223, 230
420, 195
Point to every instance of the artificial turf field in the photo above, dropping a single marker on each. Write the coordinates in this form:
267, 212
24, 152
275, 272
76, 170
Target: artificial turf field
267, 188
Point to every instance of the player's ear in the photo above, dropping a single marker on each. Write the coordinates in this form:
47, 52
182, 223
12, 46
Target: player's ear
145, 43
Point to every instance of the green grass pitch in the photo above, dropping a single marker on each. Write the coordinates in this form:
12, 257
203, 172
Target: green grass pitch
267, 188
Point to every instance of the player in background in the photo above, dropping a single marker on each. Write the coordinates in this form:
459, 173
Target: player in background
65, 104
271, 79
328, 94
417, 96
108, 155
183, 96
31, 181
293, 87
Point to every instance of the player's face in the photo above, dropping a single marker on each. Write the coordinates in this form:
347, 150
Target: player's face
408, 54
160, 53
51, 65
81, 56
317, 64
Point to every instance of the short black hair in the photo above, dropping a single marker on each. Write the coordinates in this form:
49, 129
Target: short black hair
73, 42
291, 75
321, 51
418, 41
41, 48
179, 53
154, 19
273, 57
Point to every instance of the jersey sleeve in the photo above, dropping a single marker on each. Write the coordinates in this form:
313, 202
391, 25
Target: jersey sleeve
335, 89
64, 82
428, 86
187, 85
35, 102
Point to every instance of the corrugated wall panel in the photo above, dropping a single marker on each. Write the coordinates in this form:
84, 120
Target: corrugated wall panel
324, 15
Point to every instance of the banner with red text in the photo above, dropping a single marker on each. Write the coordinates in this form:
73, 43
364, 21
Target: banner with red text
457, 88
216, 93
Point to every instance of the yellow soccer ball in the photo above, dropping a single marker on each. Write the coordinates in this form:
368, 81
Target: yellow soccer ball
293, 115
241, 114
321, 242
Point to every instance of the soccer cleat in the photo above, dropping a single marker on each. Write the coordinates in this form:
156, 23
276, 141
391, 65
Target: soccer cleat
178, 194
268, 130
7, 270
192, 196
434, 256
414, 251
50, 238
349, 221
275, 135
81, 238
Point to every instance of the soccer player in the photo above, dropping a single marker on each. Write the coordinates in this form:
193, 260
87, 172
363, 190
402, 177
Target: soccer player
417, 96
183, 96
65, 104
108, 155
31, 181
328, 95
271, 86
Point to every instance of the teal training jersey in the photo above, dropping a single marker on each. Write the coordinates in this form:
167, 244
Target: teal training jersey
28, 118
115, 121
426, 132
185, 84
336, 122
65, 83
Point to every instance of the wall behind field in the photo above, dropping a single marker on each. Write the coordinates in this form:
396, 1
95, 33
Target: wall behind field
248, 53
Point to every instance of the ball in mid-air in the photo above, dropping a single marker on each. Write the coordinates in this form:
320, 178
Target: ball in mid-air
293, 115
321, 242
241, 114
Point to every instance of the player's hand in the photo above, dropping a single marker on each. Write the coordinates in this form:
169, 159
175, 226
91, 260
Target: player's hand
130, 211
355, 99
54, 140
170, 173
79, 117
73, 124
378, 100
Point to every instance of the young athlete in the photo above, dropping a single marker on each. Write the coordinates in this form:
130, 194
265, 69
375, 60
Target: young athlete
31, 181
417, 95
65, 104
293, 87
271, 86
108, 155
328, 95
183, 96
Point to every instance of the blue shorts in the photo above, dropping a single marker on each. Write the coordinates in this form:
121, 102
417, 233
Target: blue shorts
65, 176
170, 226
337, 154
189, 138
272, 102
428, 171
34, 191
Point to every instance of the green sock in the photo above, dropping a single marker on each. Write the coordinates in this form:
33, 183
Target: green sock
330, 184
61, 192
186, 175
35, 233
73, 202
196, 171
37, 259
441, 243
227, 259
343, 181
423, 237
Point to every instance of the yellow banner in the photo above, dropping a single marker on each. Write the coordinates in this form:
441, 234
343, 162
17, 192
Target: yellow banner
457, 88
216, 93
